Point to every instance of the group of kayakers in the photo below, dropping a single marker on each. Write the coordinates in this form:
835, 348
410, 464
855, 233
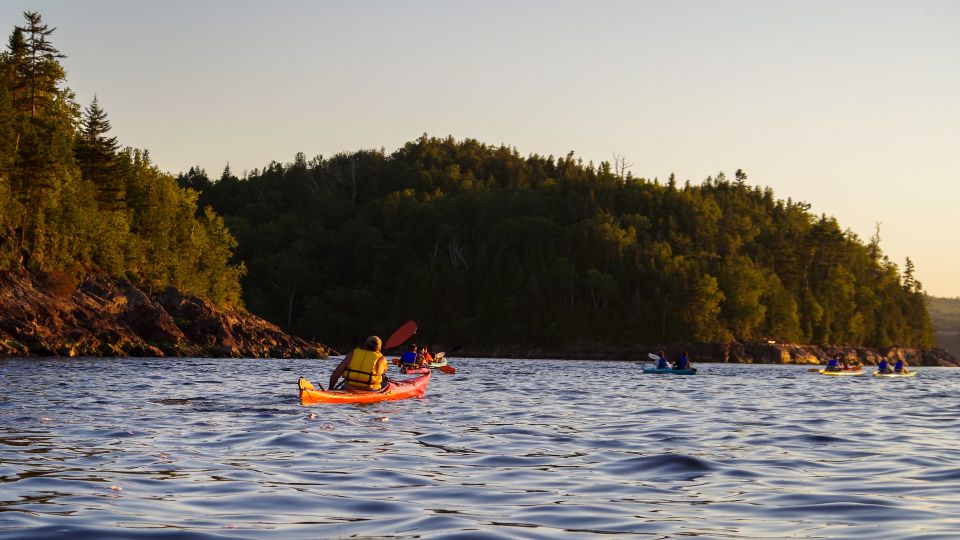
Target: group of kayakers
365, 367
900, 366
681, 363
884, 367
413, 358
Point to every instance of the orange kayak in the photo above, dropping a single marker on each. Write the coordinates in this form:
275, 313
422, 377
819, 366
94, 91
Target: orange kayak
408, 388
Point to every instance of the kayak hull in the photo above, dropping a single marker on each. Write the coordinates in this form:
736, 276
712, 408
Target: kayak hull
651, 369
395, 390
414, 371
907, 374
842, 373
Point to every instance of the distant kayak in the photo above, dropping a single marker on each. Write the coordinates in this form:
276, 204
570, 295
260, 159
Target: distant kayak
409, 388
907, 374
843, 372
650, 369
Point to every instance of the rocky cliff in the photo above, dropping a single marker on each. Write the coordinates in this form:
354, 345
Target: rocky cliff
57, 314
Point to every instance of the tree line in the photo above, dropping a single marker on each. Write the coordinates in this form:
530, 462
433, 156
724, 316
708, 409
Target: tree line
71, 199
482, 245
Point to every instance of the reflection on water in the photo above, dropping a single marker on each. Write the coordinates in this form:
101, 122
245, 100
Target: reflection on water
219, 448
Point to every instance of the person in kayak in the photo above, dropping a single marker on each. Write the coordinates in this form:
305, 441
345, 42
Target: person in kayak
900, 366
363, 368
883, 366
427, 357
683, 362
662, 361
409, 359
833, 365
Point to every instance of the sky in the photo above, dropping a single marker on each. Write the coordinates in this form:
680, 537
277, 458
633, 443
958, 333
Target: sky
852, 106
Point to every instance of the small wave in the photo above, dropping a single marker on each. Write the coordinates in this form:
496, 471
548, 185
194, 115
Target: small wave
660, 466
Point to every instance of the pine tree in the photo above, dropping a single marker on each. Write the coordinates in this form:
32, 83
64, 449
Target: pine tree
43, 122
96, 154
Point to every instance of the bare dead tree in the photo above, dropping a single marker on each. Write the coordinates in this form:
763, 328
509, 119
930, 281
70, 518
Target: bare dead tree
620, 166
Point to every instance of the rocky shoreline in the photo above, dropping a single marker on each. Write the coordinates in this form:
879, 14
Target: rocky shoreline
57, 314
54, 314
734, 353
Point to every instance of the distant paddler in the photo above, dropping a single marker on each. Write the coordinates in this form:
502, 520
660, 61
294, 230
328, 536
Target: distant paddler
683, 362
900, 366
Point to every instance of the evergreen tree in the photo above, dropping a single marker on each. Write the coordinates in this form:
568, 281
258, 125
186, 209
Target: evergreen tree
96, 155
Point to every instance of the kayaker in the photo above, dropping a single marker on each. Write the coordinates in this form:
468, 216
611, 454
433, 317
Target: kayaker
662, 361
683, 362
833, 365
900, 366
883, 366
409, 358
362, 368
427, 357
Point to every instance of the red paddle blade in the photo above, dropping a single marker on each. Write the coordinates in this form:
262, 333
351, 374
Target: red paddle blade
402, 334
448, 369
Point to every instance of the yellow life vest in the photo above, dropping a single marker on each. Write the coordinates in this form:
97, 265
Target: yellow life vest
360, 372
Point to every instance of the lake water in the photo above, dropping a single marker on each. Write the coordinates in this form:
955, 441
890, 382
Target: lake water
221, 448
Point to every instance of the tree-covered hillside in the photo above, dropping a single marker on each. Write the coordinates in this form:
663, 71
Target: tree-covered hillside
72, 201
945, 313
483, 245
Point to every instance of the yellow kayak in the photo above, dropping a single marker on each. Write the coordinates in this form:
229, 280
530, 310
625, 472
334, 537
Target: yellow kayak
907, 374
843, 372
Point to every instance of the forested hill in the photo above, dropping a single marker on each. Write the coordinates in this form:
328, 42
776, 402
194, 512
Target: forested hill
945, 313
73, 202
480, 244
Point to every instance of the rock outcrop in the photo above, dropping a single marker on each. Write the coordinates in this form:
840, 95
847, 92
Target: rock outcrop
58, 315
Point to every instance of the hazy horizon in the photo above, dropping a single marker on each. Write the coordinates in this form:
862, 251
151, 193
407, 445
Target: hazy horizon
848, 106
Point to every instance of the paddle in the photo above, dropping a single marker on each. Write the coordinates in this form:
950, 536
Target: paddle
402, 334
447, 369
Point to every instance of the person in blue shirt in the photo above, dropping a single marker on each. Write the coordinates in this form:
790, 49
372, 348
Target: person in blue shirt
683, 362
662, 361
833, 365
900, 366
883, 366
409, 358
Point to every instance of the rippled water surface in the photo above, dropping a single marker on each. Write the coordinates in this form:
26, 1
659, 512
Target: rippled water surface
221, 448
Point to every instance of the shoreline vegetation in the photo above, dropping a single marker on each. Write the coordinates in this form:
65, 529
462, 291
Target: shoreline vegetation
101, 253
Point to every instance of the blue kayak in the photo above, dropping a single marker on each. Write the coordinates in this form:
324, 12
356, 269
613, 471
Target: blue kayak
650, 369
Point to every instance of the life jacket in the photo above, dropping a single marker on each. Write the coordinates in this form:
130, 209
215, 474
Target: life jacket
662, 364
409, 358
883, 366
428, 357
833, 365
360, 372
682, 363
898, 366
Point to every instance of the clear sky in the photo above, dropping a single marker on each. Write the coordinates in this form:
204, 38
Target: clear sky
852, 106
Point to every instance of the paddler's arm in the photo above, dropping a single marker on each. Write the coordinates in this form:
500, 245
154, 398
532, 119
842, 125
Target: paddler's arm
381, 367
338, 371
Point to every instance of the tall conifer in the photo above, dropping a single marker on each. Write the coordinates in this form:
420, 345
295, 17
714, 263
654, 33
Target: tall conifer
96, 154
